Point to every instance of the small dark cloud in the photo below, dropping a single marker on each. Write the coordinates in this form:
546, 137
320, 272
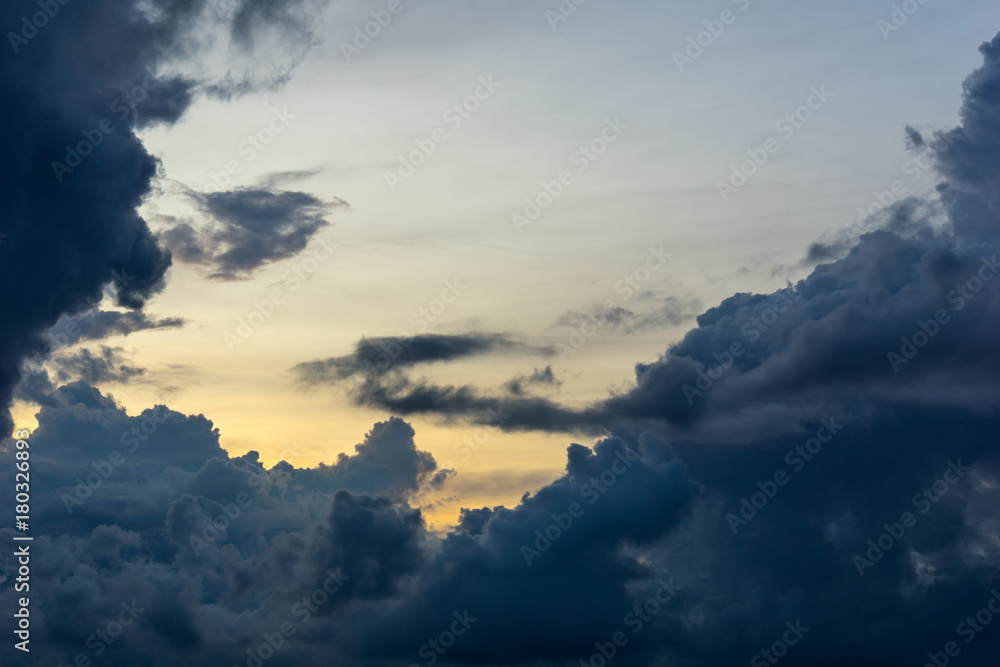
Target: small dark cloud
399, 394
164, 103
282, 177
914, 139
109, 365
100, 324
664, 312
249, 229
540, 377
377, 356
820, 252
441, 477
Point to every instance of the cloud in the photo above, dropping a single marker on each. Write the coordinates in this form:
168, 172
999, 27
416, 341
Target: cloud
99, 324
399, 394
388, 459
218, 550
109, 366
377, 375
265, 42
670, 311
132, 501
35, 386
373, 357
274, 179
540, 377
251, 228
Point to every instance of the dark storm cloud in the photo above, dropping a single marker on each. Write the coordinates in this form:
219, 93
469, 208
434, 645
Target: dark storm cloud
252, 228
128, 504
66, 238
374, 540
373, 357
969, 155
217, 551
74, 171
544, 594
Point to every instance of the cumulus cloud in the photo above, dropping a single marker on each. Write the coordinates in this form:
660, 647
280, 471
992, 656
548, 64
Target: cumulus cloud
218, 550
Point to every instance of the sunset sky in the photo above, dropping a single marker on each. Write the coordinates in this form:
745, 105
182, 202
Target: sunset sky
654, 187
452, 271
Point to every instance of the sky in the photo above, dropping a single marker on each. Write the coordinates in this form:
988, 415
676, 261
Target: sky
536, 313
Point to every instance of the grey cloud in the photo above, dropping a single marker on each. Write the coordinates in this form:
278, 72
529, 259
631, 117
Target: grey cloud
540, 377
99, 324
667, 311
110, 365
251, 228
374, 357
